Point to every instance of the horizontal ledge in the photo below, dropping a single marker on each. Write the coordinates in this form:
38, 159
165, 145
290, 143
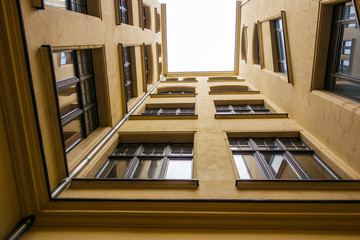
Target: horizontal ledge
179, 81
251, 116
230, 93
168, 117
135, 183
226, 80
353, 185
173, 95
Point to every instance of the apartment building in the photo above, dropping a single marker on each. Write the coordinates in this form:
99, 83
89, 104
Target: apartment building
100, 141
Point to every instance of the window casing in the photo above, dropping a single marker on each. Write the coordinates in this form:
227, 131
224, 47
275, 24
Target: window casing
149, 161
73, 5
169, 111
76, 96
280, 45
278, 158
128, 78
343, 73
241, 109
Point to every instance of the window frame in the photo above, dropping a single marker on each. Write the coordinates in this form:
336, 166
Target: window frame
93, 7
287, 154
119, 13
275, 48
333, 59
135, 158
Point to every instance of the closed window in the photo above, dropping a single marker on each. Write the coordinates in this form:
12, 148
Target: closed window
241, 109
76, 95
169, 111
73, 5
149, 161
278, 158
128, 73
343, 72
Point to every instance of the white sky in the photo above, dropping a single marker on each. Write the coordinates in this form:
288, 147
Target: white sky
200, 35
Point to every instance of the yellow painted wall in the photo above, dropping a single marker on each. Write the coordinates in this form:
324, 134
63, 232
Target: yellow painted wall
328, 117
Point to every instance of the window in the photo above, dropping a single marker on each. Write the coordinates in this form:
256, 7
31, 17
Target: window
256, 45
343, 73
147, 66
145, 19
242, 109
280, 46
278, 158
73, 5
157, 21
149, 161
76, 95
169, 111
244, 43
128, 72
176, 92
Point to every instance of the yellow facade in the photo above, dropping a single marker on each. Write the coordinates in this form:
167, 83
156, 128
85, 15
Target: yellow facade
215, 203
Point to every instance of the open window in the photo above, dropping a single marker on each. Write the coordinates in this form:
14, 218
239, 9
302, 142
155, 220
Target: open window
281, 47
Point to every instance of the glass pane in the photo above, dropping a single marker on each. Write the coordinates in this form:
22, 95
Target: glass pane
179, 169
294, 144
91, 120
63, 71
115, 168
72, 133
247, 167
56, 3
239, 144
154, 149
348, 11
187, 111
126, 149
266, 144
312, 166
280, 167
68, 100
348, 60
88, 92
148, 169
347, 88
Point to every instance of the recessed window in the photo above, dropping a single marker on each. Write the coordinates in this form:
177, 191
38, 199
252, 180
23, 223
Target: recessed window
76, 95
124, 12
169, 111
280, 46
147, 66
145, 14
149, 161
256, 45
241, 109
157, 21
343, 73
244, 43
278, 158
129, 71
81, 6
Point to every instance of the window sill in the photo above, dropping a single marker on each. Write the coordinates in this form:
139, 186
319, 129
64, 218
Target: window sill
278, 75
231, 93
172, 95
251, 116
168, 117
180, 81
298, 184
135, 183
226, 80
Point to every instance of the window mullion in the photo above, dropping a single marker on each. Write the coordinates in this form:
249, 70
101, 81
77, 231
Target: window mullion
264, 167
130, 170
300, 171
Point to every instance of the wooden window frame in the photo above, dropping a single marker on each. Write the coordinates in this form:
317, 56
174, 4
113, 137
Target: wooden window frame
93, 7
244, 43
119, 13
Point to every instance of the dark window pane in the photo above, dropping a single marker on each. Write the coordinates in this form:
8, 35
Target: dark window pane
281, 168
154, 149
91, 120
266, 144
294, 144
347, 88
148, 169
312, 166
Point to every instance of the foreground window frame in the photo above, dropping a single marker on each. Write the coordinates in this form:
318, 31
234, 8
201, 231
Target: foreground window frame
340, 64
84, 110
181, 111
136, 157
242, 109
261, 154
